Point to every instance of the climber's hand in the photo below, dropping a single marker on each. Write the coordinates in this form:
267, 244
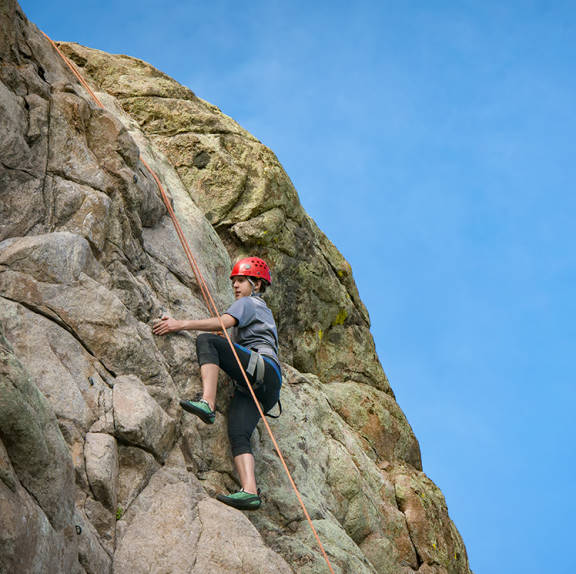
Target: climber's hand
166, 325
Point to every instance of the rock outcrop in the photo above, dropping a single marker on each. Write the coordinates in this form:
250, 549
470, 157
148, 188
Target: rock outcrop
100, 471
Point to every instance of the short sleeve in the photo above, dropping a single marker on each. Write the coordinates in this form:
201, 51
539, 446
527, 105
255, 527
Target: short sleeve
243, 310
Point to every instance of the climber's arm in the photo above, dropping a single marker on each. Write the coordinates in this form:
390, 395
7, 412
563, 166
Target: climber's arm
169, 325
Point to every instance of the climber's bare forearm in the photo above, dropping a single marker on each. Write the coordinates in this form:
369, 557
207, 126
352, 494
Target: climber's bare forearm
169, 325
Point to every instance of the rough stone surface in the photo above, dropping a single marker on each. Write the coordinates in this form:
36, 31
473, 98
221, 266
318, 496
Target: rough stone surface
91, 553
250, 200
136, 469
100, 471
36, 477
101, 455
139, 420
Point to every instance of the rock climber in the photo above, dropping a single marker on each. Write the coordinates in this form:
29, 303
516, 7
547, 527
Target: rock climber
255, 338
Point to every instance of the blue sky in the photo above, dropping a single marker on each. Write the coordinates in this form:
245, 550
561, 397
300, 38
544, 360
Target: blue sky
433, 142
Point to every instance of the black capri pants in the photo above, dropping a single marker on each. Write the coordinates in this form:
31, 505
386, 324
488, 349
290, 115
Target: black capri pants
243, 415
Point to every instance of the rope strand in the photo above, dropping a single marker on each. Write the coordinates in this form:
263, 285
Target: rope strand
210, 304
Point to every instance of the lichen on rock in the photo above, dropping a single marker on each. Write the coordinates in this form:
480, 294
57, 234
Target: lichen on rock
100, 472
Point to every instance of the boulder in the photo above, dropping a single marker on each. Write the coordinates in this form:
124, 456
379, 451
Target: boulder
101, 455
139, 420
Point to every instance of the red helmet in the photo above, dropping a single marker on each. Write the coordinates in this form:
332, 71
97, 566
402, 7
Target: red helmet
252, 267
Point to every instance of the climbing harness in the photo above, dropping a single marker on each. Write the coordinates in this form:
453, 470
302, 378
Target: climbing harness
256, 365
263, 272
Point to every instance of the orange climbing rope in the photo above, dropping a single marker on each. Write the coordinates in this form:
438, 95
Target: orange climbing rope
182, 237
208, 299
191, 259
74, 70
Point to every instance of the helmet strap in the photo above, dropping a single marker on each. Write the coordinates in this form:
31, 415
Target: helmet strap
254, 293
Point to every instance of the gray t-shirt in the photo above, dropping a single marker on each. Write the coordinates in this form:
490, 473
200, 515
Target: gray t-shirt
256, 328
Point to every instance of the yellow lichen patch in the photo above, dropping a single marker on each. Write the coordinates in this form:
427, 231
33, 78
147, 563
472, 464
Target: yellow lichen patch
340, 318
346, 271
320, 335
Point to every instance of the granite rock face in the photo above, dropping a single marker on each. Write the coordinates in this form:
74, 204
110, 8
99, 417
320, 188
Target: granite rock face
100, 471
249, 199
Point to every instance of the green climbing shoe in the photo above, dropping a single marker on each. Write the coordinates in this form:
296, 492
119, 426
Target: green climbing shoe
241, 500
199, 407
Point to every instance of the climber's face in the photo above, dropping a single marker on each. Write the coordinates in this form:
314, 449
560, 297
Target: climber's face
242, 287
